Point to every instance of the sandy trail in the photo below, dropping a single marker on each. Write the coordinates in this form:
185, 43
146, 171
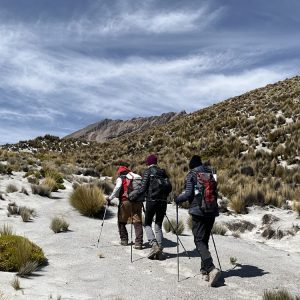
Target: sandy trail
75, 270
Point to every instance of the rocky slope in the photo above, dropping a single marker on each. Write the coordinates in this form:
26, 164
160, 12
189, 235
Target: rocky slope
109, 129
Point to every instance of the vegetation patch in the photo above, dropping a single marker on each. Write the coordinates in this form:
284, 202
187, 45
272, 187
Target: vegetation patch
240, 225
279, 295
88, 200
172, 226
219, 229
59, 224
17, 252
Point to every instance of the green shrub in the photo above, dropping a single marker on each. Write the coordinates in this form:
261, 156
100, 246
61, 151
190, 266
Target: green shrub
59, 224
88, 200
17, 251
11, 188
42, 190
219, 229
173, 226
278, 295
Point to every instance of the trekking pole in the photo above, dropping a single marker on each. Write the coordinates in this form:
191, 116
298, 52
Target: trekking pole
131, 225
216, 251
177, 242
176, 232
102, 225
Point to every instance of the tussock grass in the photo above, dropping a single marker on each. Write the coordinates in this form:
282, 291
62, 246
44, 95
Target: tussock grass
278, 295
59, 224
296, 207
42, 190
88, 199
6, 229
50, 182
219, 229
173, 227
28, 268
11, 188
240, 225
238, 204
15, 283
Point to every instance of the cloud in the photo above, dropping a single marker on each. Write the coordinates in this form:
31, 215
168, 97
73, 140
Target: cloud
123, 61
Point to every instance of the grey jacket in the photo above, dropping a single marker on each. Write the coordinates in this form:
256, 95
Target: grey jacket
189, 193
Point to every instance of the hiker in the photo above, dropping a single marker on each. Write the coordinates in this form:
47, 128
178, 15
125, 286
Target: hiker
199, 183
156, 187
127, 210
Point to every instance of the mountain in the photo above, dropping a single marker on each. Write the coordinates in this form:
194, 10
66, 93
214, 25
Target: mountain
253, 141
110, 129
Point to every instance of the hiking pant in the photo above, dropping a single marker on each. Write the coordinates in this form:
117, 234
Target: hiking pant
157, 209
124, 216
202, 227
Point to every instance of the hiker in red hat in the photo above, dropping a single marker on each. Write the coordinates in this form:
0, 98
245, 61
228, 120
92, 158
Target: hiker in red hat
127, 210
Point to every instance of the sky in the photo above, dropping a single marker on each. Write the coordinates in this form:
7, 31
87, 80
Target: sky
65, 64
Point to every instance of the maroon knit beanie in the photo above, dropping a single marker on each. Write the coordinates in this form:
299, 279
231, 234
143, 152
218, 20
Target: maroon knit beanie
151, 160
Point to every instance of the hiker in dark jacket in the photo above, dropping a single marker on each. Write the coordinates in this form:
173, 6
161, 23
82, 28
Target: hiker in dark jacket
156, 205
202, 221
127, 210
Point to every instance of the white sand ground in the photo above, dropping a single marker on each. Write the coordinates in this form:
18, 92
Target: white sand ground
76, 272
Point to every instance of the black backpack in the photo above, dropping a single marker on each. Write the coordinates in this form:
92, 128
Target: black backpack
159, 186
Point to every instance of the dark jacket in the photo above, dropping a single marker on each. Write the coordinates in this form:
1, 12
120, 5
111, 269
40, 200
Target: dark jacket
189, 193
145, 185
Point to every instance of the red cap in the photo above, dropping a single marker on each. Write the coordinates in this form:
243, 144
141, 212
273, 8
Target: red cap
122, 169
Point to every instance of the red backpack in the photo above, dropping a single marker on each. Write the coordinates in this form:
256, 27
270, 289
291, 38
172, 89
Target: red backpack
125, 189
206, 192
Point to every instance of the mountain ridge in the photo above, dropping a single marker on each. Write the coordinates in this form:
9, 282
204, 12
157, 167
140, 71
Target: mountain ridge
109, 129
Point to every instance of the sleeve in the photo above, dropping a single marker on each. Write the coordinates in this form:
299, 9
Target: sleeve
188, 194
117, 188
145, 182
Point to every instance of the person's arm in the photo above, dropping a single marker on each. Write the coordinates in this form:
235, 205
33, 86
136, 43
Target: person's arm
145, 182
189, 190
116, 191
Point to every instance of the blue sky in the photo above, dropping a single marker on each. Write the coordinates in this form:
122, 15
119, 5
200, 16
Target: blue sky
65, 64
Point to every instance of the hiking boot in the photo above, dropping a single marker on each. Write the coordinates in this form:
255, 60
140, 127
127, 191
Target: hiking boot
124, 243
205, 277
138, 246
214, 276
153, 251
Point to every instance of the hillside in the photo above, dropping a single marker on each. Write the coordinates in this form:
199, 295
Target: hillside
252, 140
110, 129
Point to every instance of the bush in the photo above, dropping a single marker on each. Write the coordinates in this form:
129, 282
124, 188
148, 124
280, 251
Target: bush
173, 226
11, 188
238, 204
42, 190
219, 229
56, 176
88, 200
278, 295
17, 252
51, 183
26, 213
240, 226
59, 224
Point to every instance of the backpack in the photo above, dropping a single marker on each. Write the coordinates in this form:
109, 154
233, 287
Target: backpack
159, 186
130, 186
206, 192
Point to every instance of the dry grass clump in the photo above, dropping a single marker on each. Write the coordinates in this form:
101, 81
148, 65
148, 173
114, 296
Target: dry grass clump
25, 212
296, 206
11, 188
88, 200
238, 204
172, 226
219, 229
15, 283
106, 186
42, 190
50, 182
6, 229
240, 226
269, 219
279, 295
59, 224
